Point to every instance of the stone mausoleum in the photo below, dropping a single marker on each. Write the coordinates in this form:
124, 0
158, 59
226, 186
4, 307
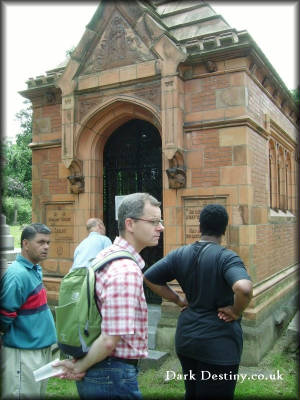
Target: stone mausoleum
166, 97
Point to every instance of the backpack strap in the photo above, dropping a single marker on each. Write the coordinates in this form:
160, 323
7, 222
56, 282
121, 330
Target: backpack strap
98, 265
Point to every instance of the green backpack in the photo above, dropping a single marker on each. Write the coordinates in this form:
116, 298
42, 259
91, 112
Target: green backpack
78, 319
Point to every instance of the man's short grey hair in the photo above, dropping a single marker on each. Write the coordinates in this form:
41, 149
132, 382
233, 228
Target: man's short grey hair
30, 231
132, 206
92, 222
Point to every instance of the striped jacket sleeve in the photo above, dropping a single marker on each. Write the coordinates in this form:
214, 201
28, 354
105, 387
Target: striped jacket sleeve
12, 297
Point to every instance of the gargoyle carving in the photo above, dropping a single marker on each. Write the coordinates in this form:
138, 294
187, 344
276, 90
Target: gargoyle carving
177, 172
211, 66
177, 177
77, 183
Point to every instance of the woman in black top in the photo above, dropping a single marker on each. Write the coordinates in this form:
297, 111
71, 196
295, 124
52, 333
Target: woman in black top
217, 290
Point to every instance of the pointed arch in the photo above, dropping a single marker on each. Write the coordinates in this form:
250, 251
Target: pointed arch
90, 140
101, 121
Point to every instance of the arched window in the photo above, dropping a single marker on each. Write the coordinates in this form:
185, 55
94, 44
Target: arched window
281, 179
272, 175
289, 184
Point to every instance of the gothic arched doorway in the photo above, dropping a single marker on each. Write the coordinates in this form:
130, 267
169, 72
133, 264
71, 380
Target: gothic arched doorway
132, 162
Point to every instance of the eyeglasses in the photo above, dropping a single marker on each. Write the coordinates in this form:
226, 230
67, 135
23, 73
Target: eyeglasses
154, 222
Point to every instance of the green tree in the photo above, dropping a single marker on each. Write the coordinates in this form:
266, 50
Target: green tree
18, 159
16, 163
296, 96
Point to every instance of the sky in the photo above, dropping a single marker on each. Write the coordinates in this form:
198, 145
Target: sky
37, 35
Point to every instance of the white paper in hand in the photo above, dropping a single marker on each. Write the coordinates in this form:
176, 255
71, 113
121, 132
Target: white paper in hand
47, 371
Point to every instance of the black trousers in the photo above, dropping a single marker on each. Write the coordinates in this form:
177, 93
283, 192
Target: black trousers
208, 381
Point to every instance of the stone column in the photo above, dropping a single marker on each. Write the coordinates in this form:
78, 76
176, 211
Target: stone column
7, 251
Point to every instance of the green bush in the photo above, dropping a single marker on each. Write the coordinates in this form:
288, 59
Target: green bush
23, 207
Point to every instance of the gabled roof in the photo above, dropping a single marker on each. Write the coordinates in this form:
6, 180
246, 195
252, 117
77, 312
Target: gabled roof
188, 20
193, 27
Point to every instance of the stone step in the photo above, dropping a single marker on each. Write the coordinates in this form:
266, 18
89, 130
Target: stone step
292, 335
151, 337
154, 360
294, 324
154, 314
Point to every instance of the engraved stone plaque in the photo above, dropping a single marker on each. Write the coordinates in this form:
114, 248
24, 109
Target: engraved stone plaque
192, 208
60, 220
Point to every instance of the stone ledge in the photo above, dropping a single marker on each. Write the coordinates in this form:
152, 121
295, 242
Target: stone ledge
154, 360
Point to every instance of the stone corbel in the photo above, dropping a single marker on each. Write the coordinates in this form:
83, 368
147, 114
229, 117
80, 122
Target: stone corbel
76, 178
177, 171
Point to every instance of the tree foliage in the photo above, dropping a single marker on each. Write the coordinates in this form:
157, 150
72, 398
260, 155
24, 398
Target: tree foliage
18, 159
296, 96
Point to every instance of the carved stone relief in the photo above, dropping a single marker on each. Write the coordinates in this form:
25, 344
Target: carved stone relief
177, 171
152, 94
76, 184
87, 103
76, 178
118, 46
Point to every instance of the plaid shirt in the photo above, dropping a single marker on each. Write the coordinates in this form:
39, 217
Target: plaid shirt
120, 295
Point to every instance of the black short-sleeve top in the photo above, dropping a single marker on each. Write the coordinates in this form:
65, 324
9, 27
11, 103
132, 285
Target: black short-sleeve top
206, 273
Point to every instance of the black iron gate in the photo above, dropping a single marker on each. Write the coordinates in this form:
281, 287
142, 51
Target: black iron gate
132, 163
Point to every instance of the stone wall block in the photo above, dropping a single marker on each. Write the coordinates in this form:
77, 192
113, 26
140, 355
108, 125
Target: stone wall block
245, 194
233, 96
239, 175
128, 73
145, 69
233, 136
109, 77
87, 82
247, 234
50, 265
41, 125
63, 172
240, 155
259, 215
64, 266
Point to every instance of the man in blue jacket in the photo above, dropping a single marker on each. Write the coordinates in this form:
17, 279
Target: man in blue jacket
26, 322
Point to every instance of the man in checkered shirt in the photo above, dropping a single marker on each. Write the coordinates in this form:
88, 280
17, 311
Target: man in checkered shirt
109, 370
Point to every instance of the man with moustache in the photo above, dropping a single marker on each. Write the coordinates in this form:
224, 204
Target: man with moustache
26, 322
109, 369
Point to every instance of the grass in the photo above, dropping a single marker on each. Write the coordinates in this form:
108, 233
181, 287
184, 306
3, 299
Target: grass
16, 231
153, 385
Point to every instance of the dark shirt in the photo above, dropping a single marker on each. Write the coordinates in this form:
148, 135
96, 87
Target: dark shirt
207, 281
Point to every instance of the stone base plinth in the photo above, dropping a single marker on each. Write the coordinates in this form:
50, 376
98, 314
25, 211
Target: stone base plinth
272, 308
